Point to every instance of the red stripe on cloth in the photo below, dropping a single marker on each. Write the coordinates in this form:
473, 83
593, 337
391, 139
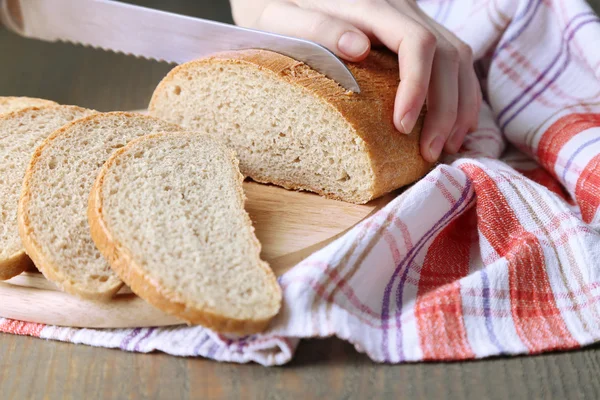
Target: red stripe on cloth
587, 191
21, 328
537, 319
438, 309
543, 177
559, 133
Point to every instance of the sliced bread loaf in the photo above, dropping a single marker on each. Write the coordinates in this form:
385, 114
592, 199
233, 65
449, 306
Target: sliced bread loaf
20, 133
168, 212
10, 104
293, 126
53, 207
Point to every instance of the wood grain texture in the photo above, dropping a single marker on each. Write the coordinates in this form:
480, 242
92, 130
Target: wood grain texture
37, 369
52, 307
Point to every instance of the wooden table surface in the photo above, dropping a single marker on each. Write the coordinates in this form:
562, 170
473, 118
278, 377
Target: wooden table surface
35, 369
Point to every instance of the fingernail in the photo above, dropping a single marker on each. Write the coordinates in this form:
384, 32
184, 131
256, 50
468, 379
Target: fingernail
353, 44
408, 121
435, 148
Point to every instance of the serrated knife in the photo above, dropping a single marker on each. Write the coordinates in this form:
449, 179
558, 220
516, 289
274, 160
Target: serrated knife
158, 35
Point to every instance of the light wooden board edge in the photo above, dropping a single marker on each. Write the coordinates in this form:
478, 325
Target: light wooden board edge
21, 296
123, 311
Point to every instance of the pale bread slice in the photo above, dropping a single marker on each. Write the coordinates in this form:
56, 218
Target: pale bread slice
168, 212
53, 207
20, 133
294, 127
10, 104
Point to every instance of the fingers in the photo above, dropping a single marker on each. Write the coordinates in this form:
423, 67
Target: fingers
339, 36
434, 65
442, 103
469, 102
416, 47
415, 57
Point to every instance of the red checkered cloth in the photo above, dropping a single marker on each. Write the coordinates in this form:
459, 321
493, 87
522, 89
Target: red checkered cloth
495, 252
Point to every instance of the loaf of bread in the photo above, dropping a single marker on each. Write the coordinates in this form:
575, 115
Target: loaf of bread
10, 104
294, 127
20, 133
52, 213
167, 211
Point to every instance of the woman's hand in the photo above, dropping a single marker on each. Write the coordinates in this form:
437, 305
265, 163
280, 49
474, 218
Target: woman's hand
434, 63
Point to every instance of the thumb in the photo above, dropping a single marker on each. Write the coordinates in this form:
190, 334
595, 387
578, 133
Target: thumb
341, 37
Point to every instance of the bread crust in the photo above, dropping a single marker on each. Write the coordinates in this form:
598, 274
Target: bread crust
33, 248
20, 261
395, 158
14, 265
6, 102
123, 263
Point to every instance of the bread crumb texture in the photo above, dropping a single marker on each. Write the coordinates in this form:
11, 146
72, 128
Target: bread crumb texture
172, 208
292, 126
20, 133
53, 210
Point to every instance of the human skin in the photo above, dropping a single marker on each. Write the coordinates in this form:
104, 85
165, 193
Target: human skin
434, 65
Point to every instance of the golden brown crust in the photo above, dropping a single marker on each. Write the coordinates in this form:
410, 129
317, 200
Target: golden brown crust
21, 262
395, 157
14, 265
123, 263
9, 102
32, 247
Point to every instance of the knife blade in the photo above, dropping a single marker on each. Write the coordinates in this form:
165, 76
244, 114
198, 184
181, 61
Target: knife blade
158, 35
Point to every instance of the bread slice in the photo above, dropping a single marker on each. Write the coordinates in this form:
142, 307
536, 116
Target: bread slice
294, 127
10, 104
20, 133
168, 212
53, 207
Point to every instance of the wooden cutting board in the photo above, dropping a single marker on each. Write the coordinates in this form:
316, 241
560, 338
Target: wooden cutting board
290, 225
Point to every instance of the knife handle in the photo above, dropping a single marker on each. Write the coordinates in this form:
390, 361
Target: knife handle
11, 16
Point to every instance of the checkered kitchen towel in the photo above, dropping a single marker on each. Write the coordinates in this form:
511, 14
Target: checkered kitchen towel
495, 252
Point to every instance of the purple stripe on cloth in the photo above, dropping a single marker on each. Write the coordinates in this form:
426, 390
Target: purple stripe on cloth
522, 15
148, 333
408, 259
400, 290
556, 75
579, 150
487, 312
204, 339
521, 29
552, 63
128, 338
213, 350
243, 342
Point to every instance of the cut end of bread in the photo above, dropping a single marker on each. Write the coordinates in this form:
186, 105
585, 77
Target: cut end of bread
167, 211
20, 133
53, 206
294, 127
